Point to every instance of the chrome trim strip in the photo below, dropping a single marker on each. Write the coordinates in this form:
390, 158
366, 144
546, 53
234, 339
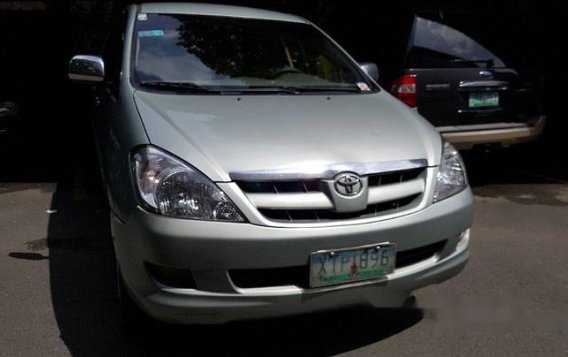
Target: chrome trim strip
395, 191
483, 85
290, 201
327, 172
467, 84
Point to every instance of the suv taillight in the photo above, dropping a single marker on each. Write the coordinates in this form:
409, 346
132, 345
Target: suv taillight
404, 88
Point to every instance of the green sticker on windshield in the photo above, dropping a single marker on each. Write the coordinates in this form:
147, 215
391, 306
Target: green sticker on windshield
151, 33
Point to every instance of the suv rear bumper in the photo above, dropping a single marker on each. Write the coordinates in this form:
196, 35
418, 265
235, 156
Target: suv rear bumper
465, 137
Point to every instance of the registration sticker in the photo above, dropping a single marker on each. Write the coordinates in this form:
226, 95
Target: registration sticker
151, 33
364, 87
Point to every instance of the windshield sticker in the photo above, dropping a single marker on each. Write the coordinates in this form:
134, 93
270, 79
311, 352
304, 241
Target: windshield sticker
142, 17
363, 87
151, 33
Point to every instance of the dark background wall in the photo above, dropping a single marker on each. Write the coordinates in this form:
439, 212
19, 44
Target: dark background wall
39, 37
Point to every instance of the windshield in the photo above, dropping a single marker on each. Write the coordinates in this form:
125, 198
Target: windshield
225, 53
436, 45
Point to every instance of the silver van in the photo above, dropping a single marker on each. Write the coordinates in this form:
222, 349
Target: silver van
254, 169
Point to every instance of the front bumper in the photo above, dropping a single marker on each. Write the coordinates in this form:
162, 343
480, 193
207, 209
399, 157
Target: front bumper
210, 249
465, 137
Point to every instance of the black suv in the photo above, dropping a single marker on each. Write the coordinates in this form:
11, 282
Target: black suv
463, 88
469, 70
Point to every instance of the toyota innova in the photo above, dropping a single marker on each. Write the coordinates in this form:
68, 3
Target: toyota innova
254, 169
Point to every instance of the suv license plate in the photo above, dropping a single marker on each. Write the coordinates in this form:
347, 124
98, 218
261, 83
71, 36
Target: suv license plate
483, 100
333, 267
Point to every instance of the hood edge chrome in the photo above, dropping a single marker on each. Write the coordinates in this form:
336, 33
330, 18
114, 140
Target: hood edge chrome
327, 172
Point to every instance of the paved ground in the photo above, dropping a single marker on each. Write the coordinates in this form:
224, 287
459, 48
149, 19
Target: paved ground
57, 283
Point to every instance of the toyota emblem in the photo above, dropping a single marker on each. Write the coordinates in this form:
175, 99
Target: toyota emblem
348, 184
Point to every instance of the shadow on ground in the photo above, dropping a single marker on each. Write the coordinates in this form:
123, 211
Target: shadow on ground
315, 335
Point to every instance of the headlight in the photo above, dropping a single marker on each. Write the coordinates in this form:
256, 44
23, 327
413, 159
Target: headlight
173, 188
451, 177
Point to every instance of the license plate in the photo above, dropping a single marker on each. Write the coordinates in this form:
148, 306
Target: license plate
333, 267
483, 100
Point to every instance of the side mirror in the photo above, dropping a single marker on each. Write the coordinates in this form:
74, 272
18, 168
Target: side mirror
86, 69
371, 69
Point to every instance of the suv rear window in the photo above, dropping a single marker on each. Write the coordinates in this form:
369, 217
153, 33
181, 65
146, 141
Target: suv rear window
437, 45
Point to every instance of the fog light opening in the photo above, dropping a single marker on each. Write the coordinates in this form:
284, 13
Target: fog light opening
171, 277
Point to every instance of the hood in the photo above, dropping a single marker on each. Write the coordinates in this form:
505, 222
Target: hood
221, 134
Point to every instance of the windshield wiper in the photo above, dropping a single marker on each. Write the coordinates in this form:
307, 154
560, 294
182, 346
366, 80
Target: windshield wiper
267, 89
298, 89
189, 87
183, 87
316, 89
488, 62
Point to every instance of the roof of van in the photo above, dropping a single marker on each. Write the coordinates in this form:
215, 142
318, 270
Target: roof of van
217, 10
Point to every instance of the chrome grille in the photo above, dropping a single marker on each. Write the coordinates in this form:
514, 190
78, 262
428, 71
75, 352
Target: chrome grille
306, 186
305, 216
308, 200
